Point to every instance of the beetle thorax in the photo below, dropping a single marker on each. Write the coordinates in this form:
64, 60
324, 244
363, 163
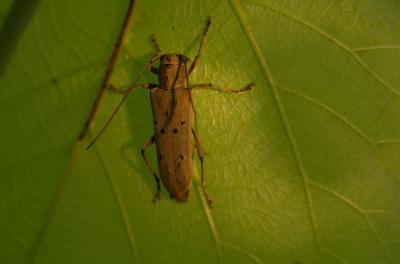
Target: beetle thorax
173, 71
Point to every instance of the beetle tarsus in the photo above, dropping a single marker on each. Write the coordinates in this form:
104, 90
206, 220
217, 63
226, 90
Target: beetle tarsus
155, 44
248, 87
207, 196
116, 90
157, 197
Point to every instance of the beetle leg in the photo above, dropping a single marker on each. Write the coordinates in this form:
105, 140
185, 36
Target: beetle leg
139, 85
150, 167
247, 87
200, 153
154, 70
121, 102
202, 42
156, 45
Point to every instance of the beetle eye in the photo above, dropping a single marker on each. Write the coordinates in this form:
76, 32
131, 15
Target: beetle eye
183, 58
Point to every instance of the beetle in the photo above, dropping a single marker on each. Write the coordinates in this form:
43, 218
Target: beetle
173, 115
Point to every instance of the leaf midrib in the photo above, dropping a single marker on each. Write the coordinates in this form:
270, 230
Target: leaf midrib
237, 8
282, 112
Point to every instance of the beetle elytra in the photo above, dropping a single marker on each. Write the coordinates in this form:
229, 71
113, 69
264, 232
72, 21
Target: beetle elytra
173, 116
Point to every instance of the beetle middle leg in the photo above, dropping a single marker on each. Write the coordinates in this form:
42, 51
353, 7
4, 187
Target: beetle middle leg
145, 147
200, 153
247, 87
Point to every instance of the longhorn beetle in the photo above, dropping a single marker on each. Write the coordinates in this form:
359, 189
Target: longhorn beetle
173, 115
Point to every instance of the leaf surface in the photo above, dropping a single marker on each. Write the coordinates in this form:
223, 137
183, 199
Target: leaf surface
304, 169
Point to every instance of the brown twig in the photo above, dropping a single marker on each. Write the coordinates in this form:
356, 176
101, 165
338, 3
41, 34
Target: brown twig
110, 68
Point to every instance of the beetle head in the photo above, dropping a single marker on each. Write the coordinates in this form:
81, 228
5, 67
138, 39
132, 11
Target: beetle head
173, 70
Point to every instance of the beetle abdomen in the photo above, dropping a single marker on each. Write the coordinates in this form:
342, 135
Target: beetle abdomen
173, 118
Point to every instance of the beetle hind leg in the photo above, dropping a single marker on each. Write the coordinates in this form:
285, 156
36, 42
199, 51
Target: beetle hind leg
200, 153
145, 147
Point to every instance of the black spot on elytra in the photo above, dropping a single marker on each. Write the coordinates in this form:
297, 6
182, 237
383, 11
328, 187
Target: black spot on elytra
159, 157
181, 156
162, 130
166, 114
155, 123
182, 122
175, 131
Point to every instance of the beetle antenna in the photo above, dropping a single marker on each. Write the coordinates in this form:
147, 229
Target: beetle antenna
126, 93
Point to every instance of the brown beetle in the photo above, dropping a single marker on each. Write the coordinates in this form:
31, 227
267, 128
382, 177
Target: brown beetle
173, 115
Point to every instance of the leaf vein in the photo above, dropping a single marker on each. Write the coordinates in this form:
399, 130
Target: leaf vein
211, 224
63, 38
78, 26
48, 218
360, 210
121, 206
377, 47
333, 40
293, 144
387, 141
262, 211
383, 213
352, 126
38, 40
335, 256
248, 254
333, 112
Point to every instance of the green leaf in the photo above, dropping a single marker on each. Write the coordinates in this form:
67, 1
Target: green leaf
304, 169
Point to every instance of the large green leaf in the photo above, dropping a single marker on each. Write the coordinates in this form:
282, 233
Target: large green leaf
305, 169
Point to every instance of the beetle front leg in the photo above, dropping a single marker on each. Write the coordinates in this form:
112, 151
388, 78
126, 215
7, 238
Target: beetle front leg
156, 46
145, 147
200, 153
155, 43
202, 42
139, 85
246, 88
